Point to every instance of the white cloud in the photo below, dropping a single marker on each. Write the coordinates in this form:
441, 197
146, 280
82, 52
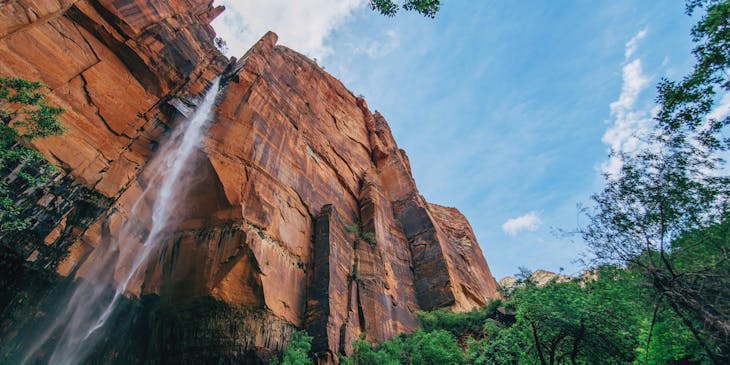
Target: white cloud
722, 110
301, 25
634, 82
528, 222
379, 48
629, 122
633, 43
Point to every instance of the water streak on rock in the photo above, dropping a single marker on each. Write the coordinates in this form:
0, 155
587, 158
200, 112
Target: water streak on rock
78, 325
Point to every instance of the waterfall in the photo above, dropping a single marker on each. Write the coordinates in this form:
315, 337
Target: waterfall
77, 327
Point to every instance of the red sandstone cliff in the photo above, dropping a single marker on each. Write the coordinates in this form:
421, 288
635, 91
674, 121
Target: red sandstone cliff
304, 214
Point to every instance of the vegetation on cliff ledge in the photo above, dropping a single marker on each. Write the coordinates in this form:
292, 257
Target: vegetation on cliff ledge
24, 115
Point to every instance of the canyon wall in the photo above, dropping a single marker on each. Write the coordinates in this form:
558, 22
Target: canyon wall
303, 214
114, 66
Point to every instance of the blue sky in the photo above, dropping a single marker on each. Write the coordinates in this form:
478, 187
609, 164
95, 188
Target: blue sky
507, 110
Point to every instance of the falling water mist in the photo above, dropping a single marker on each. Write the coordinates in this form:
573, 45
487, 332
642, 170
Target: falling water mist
79, 325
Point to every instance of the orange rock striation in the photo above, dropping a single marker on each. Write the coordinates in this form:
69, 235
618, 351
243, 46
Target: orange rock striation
304, 213
110, 64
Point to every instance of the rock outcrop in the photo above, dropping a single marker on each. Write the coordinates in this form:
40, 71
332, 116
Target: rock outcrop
540, 278
304, 212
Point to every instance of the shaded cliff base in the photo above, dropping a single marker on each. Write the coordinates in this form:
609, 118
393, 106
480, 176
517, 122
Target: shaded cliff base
143, 331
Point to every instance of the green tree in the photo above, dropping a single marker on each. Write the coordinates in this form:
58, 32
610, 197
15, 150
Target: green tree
501, 346
437, 347
666, 212
24, 111
461, 325
428, 8
363, 353
24, 115
576, 322
297, 350
667, 340
685, 105
418, 348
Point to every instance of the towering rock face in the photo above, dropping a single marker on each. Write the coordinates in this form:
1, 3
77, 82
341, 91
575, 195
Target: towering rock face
113, 66
304, 213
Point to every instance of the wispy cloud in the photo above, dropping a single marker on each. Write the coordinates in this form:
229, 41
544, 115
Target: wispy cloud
630, 123
301, 25
633, 44
381, 47
528, 222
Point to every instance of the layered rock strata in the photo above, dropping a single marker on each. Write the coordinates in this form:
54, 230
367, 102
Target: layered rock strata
304, 212
113, 66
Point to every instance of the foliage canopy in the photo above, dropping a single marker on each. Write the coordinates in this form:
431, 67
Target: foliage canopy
427, 8
666, 212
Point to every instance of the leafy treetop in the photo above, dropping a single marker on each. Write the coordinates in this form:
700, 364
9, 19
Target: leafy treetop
427, 8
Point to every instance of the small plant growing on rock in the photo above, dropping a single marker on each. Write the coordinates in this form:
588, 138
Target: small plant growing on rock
221, 44
353, 275
368, 237
355, 228
361, 235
